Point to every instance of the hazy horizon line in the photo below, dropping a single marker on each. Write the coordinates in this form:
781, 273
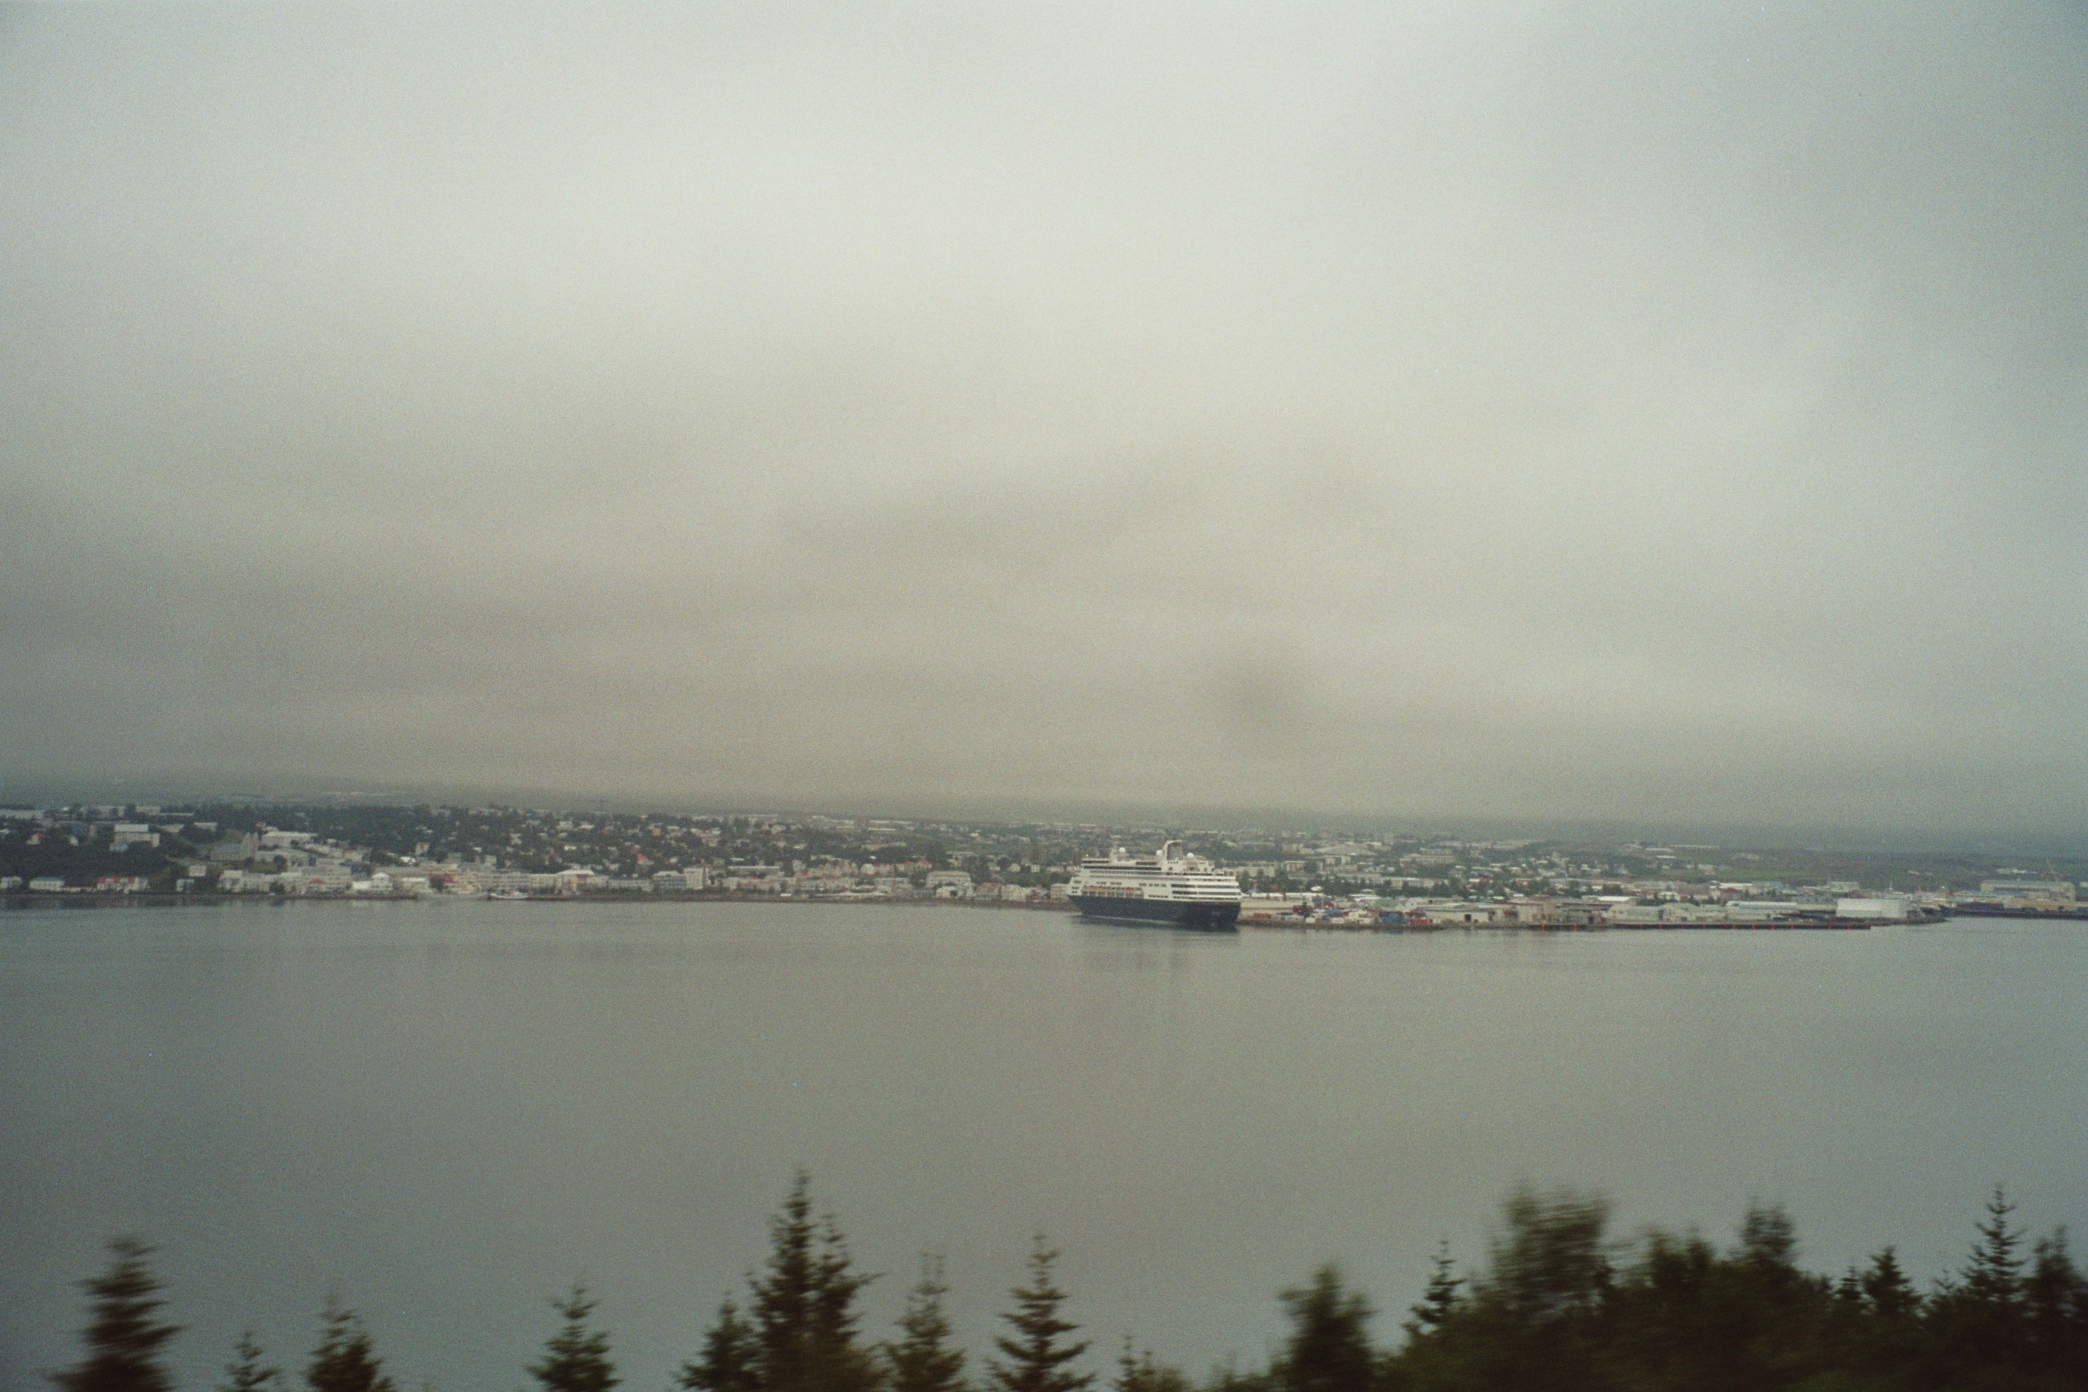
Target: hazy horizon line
1159, 815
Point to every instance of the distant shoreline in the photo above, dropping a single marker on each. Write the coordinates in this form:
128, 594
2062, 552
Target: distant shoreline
91, 900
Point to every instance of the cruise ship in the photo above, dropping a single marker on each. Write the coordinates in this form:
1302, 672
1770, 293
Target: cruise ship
1167, 889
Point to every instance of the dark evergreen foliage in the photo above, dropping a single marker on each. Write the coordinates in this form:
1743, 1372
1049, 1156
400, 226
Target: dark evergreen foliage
1887, 1294
576, 1358
1533, 1318
1552, 1267
1559, 1307
1439, 1299
1552, 1313
1329, 1347
923, 1359
246, 1372
801, 1336
344, 1361
2055, 1300
1138, 1372
1035, 1356
123, 1335
1994, 1326
1227, 1377
727, 1361
1994, 1276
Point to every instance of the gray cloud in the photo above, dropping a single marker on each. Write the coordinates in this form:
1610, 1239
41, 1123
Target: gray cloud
1424, 410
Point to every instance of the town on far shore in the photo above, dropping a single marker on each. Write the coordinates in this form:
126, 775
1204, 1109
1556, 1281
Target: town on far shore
94, 853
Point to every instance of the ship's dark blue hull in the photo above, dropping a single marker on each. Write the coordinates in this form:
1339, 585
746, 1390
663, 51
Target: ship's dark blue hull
1159, 913
2007, 911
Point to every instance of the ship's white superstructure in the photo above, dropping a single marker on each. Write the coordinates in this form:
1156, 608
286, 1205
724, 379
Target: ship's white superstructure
1169, 887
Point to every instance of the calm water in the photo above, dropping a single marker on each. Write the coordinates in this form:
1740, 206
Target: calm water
452, 1109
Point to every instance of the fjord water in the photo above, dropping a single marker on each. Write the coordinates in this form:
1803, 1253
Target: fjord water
449, 1110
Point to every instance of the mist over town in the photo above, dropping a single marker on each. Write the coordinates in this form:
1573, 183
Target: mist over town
1427, 411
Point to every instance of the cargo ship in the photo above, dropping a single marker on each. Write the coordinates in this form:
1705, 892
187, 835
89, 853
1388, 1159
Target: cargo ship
1168, 889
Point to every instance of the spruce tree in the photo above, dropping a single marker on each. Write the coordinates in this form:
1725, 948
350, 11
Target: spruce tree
804, 1309
1887, 1293
343, 1362
799, 1333
923, 1360
1978, 1317
1994, 1276
1138, 1372
727, 1362
1551, 1266
1768, 1240
1036, 1359
1329, 1349
1886, 1343
123, 1338
1440, 1297
839, 1363
2055, 1301
245, 1372
1531, 1320
576, 1358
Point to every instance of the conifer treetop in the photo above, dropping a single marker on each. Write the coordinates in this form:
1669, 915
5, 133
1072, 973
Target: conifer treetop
576, 1358
1035, 1358
123, 1337
922, 1359
246, 1372
344, 1360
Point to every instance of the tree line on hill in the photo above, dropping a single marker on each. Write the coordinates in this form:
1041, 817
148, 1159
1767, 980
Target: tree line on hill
1558, 1308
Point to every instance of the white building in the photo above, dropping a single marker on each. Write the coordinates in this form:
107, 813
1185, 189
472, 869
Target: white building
1893, 906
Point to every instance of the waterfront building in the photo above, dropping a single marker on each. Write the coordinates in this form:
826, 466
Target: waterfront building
2029, 889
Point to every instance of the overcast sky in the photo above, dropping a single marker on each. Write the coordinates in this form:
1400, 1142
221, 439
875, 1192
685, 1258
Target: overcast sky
1447, 409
